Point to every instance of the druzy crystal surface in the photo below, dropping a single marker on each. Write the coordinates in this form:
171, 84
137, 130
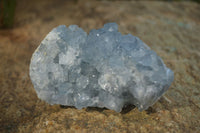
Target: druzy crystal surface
102, 69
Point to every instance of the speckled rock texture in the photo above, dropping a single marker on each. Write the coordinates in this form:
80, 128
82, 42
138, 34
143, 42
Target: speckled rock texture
177, 111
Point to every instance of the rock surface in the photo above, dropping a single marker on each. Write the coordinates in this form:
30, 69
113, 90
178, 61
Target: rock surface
174, 27
102, 69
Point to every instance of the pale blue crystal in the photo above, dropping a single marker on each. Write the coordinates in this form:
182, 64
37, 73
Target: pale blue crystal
102, 69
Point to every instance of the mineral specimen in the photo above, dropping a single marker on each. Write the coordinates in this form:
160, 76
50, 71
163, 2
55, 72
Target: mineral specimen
102, 69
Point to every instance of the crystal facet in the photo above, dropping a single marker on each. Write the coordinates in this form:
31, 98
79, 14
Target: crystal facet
102, 69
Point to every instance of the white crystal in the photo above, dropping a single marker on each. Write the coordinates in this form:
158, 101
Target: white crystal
102, 69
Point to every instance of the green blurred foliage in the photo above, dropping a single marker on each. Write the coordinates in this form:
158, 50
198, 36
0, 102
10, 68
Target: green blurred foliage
7, 12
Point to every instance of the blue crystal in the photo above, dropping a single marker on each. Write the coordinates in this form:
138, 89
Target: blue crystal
102, 69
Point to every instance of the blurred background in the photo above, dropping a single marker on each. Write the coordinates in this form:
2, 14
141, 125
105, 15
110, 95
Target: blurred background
170, 27
7, 9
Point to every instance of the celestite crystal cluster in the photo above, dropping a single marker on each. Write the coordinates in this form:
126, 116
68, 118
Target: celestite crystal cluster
102, 69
